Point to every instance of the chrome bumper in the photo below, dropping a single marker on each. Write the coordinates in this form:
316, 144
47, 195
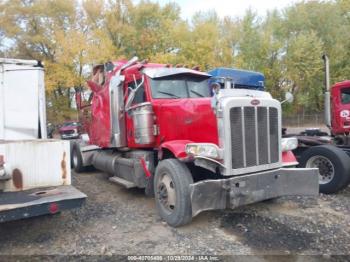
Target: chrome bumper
246, 189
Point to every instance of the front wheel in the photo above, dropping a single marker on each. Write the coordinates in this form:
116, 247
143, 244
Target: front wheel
333, 165
172, 192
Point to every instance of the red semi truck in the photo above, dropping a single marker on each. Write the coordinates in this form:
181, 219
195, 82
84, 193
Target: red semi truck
329, 153
158, 127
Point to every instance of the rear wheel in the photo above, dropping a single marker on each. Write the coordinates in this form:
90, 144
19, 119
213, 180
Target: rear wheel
333, 165
77, 159
172, 192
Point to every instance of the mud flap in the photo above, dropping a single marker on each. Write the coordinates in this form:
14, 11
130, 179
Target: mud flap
242, 190
29, 203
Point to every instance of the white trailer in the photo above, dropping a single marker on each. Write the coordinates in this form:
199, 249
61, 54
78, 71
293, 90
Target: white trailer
35, 177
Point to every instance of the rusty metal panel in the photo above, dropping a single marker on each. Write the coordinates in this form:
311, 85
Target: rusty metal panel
35, 163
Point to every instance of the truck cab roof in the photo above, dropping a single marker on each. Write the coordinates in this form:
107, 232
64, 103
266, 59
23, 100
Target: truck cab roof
345, 83
241, 78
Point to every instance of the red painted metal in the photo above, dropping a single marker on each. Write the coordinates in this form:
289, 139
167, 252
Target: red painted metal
177, 147
340, 117
183, 114
191, 119
288, 158
144, 167
98, 126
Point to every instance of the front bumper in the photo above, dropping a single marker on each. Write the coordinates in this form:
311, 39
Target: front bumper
69, 136
246, 189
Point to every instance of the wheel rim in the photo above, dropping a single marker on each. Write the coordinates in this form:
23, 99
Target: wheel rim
325, 167
166, 193
75, 159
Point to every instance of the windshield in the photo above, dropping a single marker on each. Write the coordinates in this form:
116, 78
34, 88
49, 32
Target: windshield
186, 86
345, 95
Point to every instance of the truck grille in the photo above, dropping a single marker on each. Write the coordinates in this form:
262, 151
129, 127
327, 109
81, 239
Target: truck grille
254, 136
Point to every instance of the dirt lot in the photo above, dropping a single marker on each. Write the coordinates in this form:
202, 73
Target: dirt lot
115, 220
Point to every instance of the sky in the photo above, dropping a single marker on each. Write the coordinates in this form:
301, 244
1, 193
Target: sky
227, 7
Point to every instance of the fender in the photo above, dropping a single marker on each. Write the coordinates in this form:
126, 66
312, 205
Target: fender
288, 159
177, 147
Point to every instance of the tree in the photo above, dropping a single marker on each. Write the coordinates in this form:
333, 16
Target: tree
71, 36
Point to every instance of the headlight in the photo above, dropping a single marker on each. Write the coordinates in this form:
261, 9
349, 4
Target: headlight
205, 150
289, 143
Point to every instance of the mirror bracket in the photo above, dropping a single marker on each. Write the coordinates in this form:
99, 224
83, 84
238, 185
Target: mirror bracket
288, 98
133, 92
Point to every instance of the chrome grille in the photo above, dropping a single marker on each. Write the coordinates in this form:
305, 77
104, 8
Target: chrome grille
274, 135
254, 136
237, 137
250, 139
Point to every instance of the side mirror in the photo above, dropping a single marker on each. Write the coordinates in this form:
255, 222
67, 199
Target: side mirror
289, 98
133, 93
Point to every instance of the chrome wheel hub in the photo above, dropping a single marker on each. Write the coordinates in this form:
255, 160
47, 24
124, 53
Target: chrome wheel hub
325, 167
166, 192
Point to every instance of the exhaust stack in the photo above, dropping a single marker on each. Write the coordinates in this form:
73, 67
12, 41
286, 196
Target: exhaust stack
327, 96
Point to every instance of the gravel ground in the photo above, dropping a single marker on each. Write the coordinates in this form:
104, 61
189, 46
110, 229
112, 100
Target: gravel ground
115, 220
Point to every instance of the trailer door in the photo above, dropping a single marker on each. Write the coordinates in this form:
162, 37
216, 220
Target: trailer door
22, 102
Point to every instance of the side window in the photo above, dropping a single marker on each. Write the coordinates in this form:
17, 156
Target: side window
345, 96
140, 95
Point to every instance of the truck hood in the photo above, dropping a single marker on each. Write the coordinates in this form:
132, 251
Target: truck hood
191, 119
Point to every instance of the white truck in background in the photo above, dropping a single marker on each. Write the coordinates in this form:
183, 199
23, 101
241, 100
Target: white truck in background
35, 174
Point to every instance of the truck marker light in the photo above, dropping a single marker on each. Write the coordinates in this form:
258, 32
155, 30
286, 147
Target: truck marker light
53, 208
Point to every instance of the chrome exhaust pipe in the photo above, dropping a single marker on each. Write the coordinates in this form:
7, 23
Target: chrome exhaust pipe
327, 95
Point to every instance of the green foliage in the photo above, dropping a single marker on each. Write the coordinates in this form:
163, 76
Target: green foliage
71, 36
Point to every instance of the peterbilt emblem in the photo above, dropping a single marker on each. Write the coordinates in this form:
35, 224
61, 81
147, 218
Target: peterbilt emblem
344, 113
255, 102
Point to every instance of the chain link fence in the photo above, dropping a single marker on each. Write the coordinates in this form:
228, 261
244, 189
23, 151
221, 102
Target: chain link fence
304, 120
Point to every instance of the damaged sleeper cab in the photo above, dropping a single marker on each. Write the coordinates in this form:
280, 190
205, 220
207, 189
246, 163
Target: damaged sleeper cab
163, 131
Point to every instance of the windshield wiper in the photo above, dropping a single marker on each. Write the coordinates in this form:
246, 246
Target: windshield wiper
169, 94
198, 94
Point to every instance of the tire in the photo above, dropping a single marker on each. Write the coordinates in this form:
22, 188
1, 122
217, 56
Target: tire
334, 167
176, 212
77, 159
